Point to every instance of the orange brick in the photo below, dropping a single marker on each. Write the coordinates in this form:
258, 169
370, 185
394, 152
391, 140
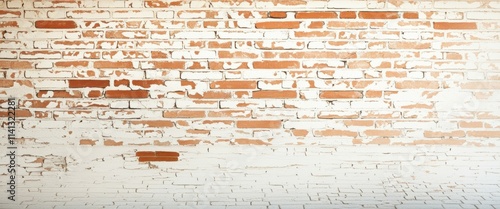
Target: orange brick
167, 153
347, 15
55, 24
233, 85
250, 141
275, 94
145, 153
88, 83
417, 84
410, 15
6, 83
66, 64
315, 15
113, 64
439, 134
378, 15
258, 124
157, 159
455, 25
276, 64
184, 114
341, 95
277, 25
472, 124
386, 133
277, 14
484, 134
211, 95
147, 83
127, 94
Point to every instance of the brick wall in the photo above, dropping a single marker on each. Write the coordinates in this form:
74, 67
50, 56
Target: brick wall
182, 77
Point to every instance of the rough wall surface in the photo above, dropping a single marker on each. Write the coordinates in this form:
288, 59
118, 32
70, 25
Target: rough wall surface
329, 95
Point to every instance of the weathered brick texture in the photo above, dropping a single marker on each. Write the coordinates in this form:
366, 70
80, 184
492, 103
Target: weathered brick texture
425, 66
140, 73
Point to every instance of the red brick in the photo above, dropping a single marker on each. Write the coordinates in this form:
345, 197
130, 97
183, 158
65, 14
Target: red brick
167, 154
277, 25
410, 15
145, 153
315, 15
258, 124
348, 15
184, 114
233, 85
378, 15
455, 25
341, 95
276, 64
88, 83
72, 64
55, 24
127, 94
270, 94
157, 159
147, 83
113, 64
277, 14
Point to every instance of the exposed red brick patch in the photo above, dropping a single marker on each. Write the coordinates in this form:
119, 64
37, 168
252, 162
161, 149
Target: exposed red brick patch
127, 94
87, 142
251, 141
341, 95
55, 24
276, 64
315, 15
278, 25
378, 15
287, 94
258, 124
455, 25
348, 15
88, 83
110, 142
277, 14
410, 15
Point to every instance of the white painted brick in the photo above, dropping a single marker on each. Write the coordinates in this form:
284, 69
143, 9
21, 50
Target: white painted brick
201, 75
456, 4
475, 76
339, 4
56, 14
263, 74
194, 55
111, 4
305, 124
50, 83
415, 74
195, 35
240, 35
44, 65
196, 105
369, 105
276, 35
39, 35
165, 14
8, 54
414, 125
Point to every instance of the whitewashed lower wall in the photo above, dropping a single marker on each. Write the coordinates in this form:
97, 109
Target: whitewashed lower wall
273, 177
